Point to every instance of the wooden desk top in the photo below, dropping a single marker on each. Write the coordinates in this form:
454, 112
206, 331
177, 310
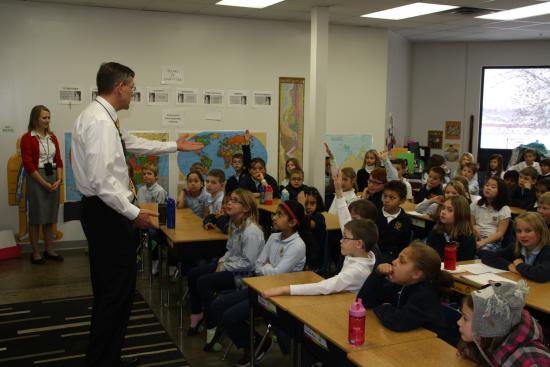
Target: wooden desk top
538, 292
189, 229
409, 208
330, 320
420, 353
330, 219
260, 284
517, 211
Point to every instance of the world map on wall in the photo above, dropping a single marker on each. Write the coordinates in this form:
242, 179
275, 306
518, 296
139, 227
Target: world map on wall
349, 150
219, 147
137, 162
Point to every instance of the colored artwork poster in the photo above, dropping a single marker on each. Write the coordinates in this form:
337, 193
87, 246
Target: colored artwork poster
435, 139
72, 193
451, 151
349, 150
219, 147
291, 121
161, 161
452, 130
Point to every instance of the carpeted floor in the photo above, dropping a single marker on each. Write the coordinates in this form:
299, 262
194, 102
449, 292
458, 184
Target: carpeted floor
55, 333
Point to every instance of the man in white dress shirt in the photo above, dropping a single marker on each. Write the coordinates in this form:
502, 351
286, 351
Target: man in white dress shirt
108, 215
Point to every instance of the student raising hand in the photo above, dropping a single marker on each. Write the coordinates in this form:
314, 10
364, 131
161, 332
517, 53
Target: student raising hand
247, 137
329, 152
338, 184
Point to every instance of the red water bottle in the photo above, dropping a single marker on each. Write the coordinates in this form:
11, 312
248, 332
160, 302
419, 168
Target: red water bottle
449, 257
268, 198
356, 325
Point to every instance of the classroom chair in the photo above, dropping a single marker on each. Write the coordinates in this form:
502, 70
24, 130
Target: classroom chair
449, 333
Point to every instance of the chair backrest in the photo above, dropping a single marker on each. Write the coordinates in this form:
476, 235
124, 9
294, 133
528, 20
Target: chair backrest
449, 333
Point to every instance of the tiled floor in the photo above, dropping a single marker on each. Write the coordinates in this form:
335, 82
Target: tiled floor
21, 281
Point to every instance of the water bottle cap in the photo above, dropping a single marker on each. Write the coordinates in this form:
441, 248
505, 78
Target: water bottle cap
357, 309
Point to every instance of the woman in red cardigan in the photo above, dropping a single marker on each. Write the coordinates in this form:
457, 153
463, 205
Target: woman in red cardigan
42, 161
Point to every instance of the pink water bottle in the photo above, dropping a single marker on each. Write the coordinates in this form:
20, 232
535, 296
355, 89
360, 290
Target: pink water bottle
268, 198
449, 256
356, 326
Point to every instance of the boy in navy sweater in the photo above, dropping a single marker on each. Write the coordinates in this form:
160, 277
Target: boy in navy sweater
524, 196
394, 225
433, 186
240, 163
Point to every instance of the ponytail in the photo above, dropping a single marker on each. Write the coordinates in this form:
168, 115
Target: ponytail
428, 261
296, 211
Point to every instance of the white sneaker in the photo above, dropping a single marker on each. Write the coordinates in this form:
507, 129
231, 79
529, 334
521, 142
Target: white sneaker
155, 267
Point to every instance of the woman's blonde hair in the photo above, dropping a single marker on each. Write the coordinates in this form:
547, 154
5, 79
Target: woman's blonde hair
35, 114
538, 225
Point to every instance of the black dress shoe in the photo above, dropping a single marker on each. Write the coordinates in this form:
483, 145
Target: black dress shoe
53, 257
40, 261
129, 362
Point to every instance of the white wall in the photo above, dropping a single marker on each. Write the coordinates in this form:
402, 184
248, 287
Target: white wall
446, 83
399, 83
44, 46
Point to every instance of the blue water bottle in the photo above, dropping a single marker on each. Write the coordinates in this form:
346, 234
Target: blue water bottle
285, 195
170, 213
262, 194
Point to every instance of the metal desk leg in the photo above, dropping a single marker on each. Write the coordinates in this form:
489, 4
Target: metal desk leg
251, 294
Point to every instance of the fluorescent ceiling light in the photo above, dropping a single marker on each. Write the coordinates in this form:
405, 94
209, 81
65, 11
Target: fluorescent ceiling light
409, 11
249, 3
519, 13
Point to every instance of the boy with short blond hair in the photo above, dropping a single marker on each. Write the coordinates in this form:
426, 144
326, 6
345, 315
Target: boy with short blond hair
150, 191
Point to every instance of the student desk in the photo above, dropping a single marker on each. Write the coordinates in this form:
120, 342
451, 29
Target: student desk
324, 333
326, 318
516, 211
418, 353
277, 308
331, 220
409, 208
538, 297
